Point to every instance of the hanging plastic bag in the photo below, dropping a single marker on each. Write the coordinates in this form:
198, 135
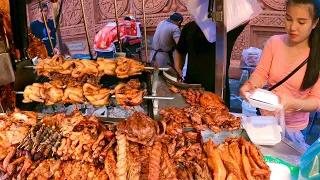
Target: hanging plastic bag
297, 138
238, 12
251, 56
293, 135
310, 163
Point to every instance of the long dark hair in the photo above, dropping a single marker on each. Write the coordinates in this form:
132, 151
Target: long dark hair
313, 67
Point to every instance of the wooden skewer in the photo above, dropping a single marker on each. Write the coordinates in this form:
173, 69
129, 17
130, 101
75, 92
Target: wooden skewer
86, 28
47, 27
145, 31
117, 24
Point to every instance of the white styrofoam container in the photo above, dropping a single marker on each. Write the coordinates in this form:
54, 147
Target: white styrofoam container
263, 99
263, 130
279, 171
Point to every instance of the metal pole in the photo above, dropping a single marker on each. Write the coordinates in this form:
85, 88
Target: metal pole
145, 30
46, 25
86, 27
221, 47
117, 24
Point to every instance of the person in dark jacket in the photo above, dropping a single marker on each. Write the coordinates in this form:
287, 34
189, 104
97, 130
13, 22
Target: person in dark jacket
201, 57
38, 29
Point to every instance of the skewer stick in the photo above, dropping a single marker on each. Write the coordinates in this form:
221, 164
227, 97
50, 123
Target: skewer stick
86, 27
145, 30
117, 24
144, 97
47, 28
145, 68
154, 97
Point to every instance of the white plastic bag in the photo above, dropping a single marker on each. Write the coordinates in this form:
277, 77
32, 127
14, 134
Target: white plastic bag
251, 56
238, 12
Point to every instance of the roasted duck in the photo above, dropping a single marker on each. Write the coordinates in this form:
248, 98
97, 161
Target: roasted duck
128, 95
107, 66
34, 92
96, 95
141, 129
128, 67
77, 68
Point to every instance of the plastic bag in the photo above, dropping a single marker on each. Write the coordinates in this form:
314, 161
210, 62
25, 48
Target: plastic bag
310, 162
251, 56
297, 138
238, 12
293, 135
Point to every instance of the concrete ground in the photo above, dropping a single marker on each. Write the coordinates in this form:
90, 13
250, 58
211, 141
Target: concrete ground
235, 106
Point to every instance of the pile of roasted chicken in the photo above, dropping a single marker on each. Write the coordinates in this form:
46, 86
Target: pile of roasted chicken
192, 96
210, 113
80, 147
122, 68
127, 94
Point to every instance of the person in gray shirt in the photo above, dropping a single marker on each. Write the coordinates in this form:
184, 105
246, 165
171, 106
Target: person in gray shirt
164, 40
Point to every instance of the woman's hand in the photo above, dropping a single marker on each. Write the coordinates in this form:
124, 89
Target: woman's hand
247, 87
287, 102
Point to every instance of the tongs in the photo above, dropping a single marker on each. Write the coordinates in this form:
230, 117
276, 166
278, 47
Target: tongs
180, 79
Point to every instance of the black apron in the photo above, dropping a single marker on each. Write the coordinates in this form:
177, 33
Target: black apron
170, 54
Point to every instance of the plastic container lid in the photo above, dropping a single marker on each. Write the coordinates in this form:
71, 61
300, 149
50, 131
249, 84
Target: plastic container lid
279, 171
263, 99
263, 130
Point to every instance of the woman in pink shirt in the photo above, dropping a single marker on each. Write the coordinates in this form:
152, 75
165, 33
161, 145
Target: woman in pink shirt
300, 94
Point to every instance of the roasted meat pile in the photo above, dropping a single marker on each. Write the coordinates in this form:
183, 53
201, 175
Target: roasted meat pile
36, 47
129, 94
80, 147
236, 159
210, 113
123, 68
57, 146
192, 96
213, 118
199, 118
13, 129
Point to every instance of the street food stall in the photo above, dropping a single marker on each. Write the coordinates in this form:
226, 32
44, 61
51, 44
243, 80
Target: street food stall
124, 119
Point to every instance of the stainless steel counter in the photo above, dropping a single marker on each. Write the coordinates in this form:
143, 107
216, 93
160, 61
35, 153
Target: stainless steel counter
283, 149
